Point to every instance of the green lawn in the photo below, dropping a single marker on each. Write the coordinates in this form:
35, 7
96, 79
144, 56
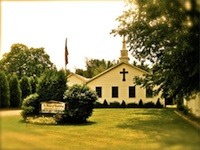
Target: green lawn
121, 129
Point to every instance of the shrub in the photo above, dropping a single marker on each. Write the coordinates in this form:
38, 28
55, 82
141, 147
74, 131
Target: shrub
123, 104
41, 120
149, 105
30, 106
15, 92
186, 110
80, 100
114, 104
132, 105
4, 91
105, 104
158, 104
140, 104
98, 105
183, 109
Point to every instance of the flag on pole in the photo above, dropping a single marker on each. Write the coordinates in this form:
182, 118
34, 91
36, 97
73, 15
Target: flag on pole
66, 53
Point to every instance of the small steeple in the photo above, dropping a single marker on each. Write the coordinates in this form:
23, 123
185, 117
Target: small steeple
124, 52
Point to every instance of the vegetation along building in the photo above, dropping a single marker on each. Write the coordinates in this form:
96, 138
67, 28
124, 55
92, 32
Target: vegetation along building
116, 83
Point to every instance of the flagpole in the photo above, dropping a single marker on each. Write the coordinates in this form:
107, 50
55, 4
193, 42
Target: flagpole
66, 55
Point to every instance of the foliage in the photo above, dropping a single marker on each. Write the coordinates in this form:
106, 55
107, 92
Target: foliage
158, 104
22, 60
80, 101
141, 65
15, 92
140, 104
105, 103
25, 87
149, 105
167, 34
30, 106
94, 67
98, 105
41, 120
33, 82
132, 105
123, 104
52, 86
114, 104
4, 91
183, 109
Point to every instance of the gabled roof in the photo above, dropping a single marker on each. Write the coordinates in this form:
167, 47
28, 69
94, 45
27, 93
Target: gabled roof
84, 79
115, 66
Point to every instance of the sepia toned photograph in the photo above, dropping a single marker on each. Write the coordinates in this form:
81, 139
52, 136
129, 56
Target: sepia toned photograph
99, 75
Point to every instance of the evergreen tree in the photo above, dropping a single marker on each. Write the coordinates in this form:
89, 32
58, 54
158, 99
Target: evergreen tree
15, 92
52, 86
25, 87
140, 104
158, 104
4, 91
123, 104
105, 103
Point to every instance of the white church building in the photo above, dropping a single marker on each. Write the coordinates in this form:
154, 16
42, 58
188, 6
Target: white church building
116, 83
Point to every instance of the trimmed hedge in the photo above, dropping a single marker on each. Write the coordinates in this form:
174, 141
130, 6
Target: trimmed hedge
116, 104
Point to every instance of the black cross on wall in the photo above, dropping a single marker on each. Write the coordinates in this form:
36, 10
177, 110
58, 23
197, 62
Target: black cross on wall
124, 73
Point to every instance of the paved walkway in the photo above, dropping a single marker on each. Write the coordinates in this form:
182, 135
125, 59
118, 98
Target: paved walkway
10, 113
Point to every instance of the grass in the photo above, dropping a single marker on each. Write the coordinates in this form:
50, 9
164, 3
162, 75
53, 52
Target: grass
120, 129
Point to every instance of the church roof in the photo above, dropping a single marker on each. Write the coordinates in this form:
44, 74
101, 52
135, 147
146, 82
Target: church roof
113, 67
84, 79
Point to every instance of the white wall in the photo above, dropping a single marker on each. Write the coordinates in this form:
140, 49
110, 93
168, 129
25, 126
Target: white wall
194, 104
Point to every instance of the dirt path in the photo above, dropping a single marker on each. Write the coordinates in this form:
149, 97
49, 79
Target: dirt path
10, 113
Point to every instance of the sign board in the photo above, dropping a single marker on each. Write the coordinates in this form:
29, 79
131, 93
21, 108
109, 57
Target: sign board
52, 107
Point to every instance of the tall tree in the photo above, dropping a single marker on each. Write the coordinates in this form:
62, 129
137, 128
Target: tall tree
15, 92
167, 34
4, 91
22, 60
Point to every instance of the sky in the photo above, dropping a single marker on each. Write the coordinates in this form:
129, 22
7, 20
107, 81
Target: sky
86, 25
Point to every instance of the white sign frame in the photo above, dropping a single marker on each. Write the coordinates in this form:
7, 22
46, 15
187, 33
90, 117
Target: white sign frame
53, 107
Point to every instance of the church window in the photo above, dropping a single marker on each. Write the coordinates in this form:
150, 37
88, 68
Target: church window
115, 91
131, 91
99, 91
149, 92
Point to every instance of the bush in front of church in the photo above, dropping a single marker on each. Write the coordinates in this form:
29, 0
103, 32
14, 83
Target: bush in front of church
158, 104
80, 100
114, 104
30, 106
